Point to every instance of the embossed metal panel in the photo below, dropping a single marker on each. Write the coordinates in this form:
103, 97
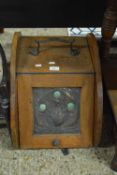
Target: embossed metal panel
56, 110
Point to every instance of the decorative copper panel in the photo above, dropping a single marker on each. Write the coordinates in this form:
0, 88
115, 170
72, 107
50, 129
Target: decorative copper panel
56, 110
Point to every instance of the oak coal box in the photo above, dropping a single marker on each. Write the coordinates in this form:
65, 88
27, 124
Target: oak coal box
56, 92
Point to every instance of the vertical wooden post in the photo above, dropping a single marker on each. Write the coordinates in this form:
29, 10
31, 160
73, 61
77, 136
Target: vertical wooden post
108, 27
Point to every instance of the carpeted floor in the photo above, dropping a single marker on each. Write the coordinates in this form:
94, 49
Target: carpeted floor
93, 161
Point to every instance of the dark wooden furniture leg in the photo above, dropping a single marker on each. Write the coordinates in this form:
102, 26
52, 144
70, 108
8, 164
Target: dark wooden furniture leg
108, 28
112, 94
1, 30
114, 161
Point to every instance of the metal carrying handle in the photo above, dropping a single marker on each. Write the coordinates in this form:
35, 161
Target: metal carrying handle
36, 50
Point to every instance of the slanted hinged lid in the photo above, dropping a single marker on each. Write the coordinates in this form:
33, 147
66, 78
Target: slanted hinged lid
53, 55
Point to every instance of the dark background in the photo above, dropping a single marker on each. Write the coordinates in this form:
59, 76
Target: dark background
51, 13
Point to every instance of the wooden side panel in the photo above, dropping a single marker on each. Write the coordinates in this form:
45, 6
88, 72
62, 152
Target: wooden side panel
113, 99
98, 106
25, 85
13, 93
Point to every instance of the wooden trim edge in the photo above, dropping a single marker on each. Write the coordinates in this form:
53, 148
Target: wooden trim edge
13, 92
98, 103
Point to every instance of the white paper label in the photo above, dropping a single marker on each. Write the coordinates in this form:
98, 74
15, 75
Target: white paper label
51, 62
38, 65
54, 68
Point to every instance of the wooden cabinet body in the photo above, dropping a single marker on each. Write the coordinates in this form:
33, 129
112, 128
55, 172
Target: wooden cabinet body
55, 98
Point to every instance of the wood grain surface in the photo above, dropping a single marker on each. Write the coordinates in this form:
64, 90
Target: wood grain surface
25, 85
13, 93
98, 104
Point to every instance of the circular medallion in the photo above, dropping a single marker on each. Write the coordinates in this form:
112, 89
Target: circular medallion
42, 107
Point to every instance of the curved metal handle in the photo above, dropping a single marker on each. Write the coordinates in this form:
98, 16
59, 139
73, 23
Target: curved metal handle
73, 50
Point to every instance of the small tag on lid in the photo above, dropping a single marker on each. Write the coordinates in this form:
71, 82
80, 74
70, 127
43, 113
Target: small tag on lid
51, 62
38, 65
54, 68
